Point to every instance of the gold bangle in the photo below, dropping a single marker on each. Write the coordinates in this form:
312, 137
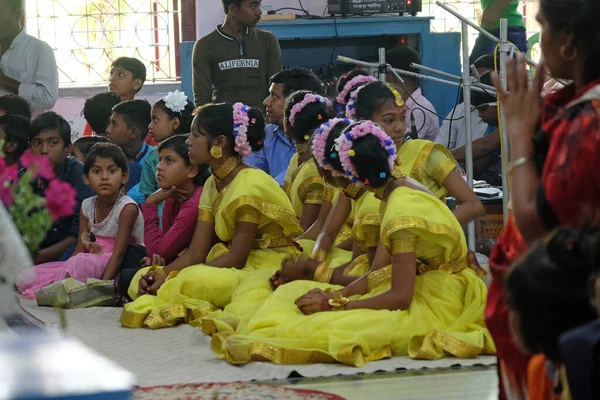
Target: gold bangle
519, 162
319, 255
323, 273
336, 300
172, 275
158, 270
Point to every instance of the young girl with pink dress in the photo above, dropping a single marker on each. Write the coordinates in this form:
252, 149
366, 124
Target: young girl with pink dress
109, 223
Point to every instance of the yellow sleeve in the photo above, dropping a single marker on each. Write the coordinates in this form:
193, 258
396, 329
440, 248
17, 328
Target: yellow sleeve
328, 194
205, 210
440, 164
403, 242
248, 214
311, 190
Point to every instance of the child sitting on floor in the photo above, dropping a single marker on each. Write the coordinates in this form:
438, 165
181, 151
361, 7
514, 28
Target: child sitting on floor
110, 221
127, 129
13, 104
180, 185
50, 135
547, 296
97, 110
171, 115
126, 78
82, 146
14, 130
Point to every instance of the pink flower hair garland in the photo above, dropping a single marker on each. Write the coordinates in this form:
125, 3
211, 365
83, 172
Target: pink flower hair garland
308, 98
351, 84
361, 129
240, 129
351, 106
319, 144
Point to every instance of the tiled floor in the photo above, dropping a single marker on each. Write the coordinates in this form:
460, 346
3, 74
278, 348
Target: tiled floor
473, 384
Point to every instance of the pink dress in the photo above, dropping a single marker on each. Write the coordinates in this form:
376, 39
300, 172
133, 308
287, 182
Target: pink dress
84, 265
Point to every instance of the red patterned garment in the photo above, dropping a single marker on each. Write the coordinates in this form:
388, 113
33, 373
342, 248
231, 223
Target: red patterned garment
567, 157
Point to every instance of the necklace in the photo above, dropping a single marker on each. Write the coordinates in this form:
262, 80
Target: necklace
96, 206
228, 166
380, 192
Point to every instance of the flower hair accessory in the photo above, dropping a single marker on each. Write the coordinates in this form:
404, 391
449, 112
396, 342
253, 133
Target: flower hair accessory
319, 143
351, 84
345, 143
351, 106
175, 101
308, 98
240, 129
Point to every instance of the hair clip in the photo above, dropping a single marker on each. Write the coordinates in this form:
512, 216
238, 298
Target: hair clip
333, 155
382, 175
260, 142
367, 181
253, 121
351, 153
319, 117
306, 137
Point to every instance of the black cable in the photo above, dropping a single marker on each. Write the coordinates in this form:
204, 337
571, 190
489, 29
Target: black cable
335, 41
452, 115
302, 7
424, 118
325, 10
425, 108
290, 8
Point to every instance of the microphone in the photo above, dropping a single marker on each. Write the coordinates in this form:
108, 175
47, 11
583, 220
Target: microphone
413, 127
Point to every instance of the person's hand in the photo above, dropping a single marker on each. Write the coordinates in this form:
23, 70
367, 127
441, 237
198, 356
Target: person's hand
160, 195
179, 194
145, 283
158, 281
313, 302
150, 283
155, 260
522, 102
290, 271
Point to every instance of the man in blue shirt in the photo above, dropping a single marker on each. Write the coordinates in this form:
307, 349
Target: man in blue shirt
275, 156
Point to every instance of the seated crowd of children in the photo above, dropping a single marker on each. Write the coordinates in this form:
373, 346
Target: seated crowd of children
191, 232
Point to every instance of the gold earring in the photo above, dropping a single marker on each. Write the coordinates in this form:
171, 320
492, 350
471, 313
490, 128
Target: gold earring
563, 50
216, 152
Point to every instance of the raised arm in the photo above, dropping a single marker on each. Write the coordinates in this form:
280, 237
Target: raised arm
522, 109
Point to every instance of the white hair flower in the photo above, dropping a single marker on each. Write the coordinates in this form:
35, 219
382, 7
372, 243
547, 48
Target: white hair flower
175, 101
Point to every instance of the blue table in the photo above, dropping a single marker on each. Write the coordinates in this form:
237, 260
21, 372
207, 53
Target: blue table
315, 43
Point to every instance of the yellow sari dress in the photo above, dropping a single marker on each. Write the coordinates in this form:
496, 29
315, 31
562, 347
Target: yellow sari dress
428, 163
366, 225
305, 185
252, 196
445, 317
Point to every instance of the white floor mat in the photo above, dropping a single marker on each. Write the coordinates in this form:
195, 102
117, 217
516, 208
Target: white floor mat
182, 354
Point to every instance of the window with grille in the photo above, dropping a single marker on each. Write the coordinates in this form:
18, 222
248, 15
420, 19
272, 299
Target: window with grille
87, 35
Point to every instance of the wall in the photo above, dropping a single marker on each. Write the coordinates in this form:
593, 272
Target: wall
210, 12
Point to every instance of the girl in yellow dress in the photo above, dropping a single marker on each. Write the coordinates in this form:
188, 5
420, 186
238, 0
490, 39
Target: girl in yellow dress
304, 112
427, 304
242, 209
363, 213
427, 162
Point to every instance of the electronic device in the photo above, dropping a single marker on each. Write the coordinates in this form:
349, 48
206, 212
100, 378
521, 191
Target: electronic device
362, 7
